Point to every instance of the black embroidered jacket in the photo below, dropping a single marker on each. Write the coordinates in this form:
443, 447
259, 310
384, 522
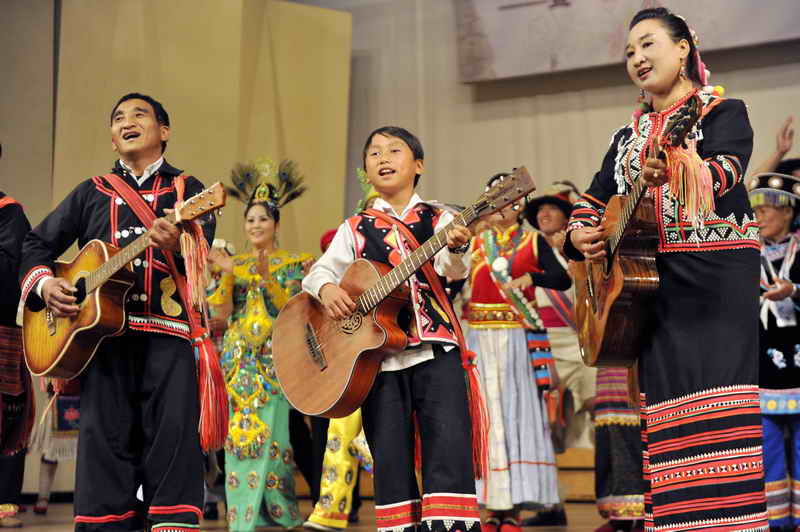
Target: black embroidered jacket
93, 210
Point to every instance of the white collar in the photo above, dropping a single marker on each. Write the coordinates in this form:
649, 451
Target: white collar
383, 205
148, 171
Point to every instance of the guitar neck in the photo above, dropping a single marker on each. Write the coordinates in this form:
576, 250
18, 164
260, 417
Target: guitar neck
118, 261
634, 197
370, 298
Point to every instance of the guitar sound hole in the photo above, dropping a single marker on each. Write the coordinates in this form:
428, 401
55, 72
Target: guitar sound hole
352, 323
80, 294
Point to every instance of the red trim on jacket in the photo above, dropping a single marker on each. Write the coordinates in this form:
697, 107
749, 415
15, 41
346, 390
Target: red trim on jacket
111, 518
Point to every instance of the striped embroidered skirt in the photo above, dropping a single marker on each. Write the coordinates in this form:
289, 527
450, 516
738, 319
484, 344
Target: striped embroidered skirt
619, 485
522, 468
701, 423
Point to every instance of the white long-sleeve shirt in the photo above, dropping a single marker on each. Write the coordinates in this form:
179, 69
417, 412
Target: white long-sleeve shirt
341, 253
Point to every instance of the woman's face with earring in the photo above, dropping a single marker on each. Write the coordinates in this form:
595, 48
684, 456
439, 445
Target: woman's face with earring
260, 227
653, 59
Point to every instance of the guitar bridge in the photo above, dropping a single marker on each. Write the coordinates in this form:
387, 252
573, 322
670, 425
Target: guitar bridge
314, 349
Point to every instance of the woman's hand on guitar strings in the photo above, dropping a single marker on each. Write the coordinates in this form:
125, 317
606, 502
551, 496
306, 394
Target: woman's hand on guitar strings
58, 295
164, 234
336, 302
590, 241
654, 172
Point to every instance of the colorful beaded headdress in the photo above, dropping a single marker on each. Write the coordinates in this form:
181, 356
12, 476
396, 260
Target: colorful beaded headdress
262, 181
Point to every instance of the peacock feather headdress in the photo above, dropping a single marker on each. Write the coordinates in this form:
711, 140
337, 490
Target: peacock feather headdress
264, 181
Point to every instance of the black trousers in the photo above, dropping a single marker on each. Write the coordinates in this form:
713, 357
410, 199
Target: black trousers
12, 467
139, 419
12, 472
435, 393
319, 439
300, 438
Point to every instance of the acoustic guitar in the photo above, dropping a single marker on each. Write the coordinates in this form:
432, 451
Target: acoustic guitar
613, 296
63, 347
326, 367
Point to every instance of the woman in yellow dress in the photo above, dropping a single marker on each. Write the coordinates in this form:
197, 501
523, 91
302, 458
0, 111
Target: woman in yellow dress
259, 461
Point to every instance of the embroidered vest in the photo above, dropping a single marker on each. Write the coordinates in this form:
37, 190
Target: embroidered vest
423, 319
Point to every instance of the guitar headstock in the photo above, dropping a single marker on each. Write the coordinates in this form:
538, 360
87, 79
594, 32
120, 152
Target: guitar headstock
681, 122
504, 191
208, 200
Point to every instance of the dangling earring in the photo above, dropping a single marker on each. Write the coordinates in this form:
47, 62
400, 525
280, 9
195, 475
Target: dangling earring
683, 70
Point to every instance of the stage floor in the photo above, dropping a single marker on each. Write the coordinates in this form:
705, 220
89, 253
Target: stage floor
582, 518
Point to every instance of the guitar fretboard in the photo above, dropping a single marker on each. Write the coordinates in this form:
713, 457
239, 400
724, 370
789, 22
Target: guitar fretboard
400, 273
634, 197
118, 261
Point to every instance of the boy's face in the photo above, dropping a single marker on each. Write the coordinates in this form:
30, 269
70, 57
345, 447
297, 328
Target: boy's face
390, 164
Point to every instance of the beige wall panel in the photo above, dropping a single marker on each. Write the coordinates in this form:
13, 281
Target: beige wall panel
216, 68
26, 103
311, 54
405, 72
184, 53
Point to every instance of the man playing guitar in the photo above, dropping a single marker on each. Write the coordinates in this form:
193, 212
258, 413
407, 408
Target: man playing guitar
139, 401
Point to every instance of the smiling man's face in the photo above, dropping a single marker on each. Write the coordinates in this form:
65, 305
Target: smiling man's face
135, 131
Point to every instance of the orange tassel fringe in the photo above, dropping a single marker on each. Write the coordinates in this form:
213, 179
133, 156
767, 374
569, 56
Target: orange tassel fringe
690, 181
194, 249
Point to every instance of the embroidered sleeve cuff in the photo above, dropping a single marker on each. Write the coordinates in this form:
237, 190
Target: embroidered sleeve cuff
569, 249
32, 282
726, 172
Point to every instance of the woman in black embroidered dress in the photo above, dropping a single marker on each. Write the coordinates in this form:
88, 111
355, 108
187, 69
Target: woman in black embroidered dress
701, 428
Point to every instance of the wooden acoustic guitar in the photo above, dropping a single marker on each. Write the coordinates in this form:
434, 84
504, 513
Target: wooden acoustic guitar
613, 296
326, 367
63, 347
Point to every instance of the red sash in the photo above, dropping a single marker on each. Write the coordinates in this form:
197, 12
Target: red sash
213, 396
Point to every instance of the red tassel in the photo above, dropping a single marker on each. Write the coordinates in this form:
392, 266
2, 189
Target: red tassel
480, 419
213, 396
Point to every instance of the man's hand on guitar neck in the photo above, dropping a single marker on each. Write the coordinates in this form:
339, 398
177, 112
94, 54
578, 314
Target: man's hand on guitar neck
58, 295
336, 302
164, 234
590, 241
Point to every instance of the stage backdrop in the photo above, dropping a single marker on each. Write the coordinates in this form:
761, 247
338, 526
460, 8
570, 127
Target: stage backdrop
509, 38
240, 78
